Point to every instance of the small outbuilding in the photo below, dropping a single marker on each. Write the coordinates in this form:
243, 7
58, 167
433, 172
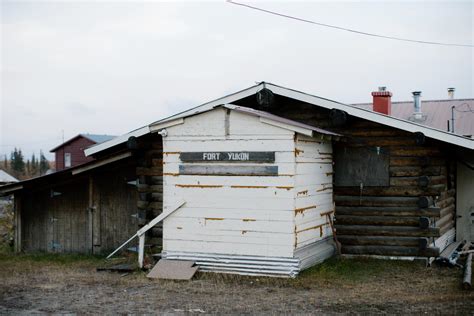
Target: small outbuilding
257, 187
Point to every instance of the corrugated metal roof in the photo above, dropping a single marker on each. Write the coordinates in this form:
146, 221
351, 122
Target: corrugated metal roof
438, 133
6, 178
437, 113
92, 137
98, 138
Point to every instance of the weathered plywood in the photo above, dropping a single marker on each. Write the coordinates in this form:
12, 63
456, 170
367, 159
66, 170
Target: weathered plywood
362, 165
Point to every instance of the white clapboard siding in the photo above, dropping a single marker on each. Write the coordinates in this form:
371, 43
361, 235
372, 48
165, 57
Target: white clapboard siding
240, 215
284, 168
223, 202
318, 200
235, 212
185, 180
243, 124
313, 189
203, 224
229, 248
277, 145
235, 191
211, 123
305, 191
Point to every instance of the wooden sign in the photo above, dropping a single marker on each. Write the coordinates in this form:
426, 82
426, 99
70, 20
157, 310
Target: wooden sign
221, 170
230, 156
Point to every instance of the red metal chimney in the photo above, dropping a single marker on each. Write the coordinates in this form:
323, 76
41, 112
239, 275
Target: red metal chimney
382, 101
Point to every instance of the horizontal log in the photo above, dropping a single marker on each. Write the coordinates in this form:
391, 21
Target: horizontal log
446, 202
152, 171
387, 211
364, 230
381, 141
448, 210
447, 194
446, 227
143, 188
416, 171
421, 181
391, 251
377, 220
390, 191
416, 161
425, 201
156, 205
415, 151
373, 132
142, 205
155, 196
143, 180
144, 196
444, 220
345, 200
354, 240
156, 180
424, 222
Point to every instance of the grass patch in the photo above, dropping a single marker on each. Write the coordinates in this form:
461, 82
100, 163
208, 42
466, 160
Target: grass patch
51, 258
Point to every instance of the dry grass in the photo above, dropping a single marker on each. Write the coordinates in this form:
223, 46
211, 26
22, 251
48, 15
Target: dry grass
53, 283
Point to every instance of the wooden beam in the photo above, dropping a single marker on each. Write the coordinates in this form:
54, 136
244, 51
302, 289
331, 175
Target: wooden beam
387, 211
363, 230
101, 163
377, 220
90, 213
350, 200
18, 222
355, 240
391, 251
141, 232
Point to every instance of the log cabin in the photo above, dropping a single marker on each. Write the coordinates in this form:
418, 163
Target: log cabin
399, 188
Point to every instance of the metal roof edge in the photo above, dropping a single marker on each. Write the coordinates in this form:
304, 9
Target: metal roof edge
116, 141
375, 117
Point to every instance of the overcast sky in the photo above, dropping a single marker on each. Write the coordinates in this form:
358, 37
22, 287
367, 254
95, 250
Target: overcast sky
109, 67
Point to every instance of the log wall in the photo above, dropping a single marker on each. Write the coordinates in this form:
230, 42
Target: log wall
149, 171
403, 218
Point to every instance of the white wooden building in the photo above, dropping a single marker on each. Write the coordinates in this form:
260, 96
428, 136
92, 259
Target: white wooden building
257, 189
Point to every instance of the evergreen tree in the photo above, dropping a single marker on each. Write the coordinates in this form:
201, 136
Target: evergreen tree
34, 165
28, 168
43, 164
5, 163
17, 163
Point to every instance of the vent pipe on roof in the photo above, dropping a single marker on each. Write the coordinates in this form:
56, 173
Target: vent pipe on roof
451, 93
417, 114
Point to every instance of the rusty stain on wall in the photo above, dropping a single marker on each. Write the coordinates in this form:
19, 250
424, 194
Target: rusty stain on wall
301, 210
248, 186
285, 188
305, 192
248, 220
310, 228
298, 152
202, 186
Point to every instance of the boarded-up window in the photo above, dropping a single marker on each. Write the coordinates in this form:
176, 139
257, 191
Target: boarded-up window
368, 166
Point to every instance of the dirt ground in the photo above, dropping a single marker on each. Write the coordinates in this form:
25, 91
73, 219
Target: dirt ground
70, 284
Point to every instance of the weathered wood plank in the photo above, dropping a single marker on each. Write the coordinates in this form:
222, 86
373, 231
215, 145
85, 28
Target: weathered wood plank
348, 200
387, 211
391, 251
377, 220
365, 230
